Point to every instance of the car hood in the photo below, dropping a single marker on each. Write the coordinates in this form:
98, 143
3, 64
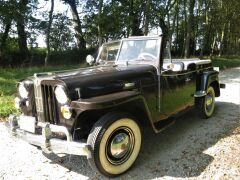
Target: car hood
100, 80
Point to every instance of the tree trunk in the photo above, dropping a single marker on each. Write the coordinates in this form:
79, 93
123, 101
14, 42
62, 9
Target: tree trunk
4, 39
100, 36
191, 4
163, 27
134, 21
50, 17
176, 46
81, 43
213, 46
173, 22
184, 18
222, 40
147, 14
22, 35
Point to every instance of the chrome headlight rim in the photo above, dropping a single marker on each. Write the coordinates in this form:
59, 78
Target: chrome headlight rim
61, 94
22, 90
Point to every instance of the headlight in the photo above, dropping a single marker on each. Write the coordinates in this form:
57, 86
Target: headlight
61, 94
23, 92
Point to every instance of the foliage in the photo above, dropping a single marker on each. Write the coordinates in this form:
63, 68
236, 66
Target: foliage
61, 38
37, 57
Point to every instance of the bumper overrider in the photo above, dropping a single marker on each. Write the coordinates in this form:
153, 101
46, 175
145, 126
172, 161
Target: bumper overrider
18, 127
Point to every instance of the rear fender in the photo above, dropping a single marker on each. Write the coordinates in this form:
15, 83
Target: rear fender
209, 78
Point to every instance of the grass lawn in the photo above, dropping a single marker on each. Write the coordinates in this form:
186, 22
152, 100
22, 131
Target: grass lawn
10, 77
224, 63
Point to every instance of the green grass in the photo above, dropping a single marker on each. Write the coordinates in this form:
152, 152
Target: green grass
226, 62
8, 82
10, 77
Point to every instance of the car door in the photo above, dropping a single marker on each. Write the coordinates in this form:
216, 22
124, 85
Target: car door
177, 89
177, 86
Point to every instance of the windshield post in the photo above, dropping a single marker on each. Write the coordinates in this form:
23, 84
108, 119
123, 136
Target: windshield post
165, 53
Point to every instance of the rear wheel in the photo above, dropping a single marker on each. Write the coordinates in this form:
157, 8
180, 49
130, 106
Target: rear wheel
206, 105
115, 142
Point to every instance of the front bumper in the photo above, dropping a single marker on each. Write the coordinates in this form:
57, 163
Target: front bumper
45, 140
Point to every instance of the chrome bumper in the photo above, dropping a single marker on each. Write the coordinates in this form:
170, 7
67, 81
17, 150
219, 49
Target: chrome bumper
45, 141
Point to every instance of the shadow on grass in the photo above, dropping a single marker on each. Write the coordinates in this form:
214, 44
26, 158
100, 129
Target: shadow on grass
176, 152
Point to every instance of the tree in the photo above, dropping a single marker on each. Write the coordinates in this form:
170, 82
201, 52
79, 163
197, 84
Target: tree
6, 18
22, 35
100, 8
77, 24
48, 31
147, 17
189, 33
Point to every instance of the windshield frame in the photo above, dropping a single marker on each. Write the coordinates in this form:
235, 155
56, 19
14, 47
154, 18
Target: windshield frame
102, 47
140, 38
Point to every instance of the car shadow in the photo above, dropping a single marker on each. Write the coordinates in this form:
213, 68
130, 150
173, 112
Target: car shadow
179, 151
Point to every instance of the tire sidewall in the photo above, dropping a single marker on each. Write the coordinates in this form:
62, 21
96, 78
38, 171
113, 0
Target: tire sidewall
118, 169
99, 137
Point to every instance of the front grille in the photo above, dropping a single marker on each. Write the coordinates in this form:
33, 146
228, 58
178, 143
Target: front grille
49, 104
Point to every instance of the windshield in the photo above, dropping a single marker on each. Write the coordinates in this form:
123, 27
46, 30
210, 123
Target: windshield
139, 50
108, 51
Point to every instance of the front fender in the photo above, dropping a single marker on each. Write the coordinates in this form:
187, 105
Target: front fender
88, 111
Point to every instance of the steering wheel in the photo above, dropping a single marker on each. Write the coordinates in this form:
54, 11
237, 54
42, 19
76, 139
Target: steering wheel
145, 55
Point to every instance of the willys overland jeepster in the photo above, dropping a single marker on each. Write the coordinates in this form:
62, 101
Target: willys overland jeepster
99, 111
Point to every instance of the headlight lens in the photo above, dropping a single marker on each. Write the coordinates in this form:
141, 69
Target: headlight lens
23, 92
61, 95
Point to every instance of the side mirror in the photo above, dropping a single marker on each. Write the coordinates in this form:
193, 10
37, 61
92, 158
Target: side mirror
90, 59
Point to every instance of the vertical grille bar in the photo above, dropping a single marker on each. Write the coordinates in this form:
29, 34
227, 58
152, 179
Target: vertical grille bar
54, 106
45, 103
50, 110
49, 104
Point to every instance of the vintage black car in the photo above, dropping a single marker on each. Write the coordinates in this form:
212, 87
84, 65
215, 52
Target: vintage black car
99, 111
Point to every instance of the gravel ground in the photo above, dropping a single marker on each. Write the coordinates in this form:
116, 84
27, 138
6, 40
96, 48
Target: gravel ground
193, 148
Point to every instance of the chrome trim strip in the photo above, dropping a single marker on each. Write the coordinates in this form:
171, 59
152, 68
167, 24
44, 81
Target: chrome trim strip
189, 72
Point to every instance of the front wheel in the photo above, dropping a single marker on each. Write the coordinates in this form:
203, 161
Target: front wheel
206, 105
115, 142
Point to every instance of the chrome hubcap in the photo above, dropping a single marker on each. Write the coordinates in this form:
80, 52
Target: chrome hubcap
209, 100
120, 145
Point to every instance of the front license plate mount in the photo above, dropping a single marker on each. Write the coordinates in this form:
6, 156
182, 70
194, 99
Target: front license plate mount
27, 123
